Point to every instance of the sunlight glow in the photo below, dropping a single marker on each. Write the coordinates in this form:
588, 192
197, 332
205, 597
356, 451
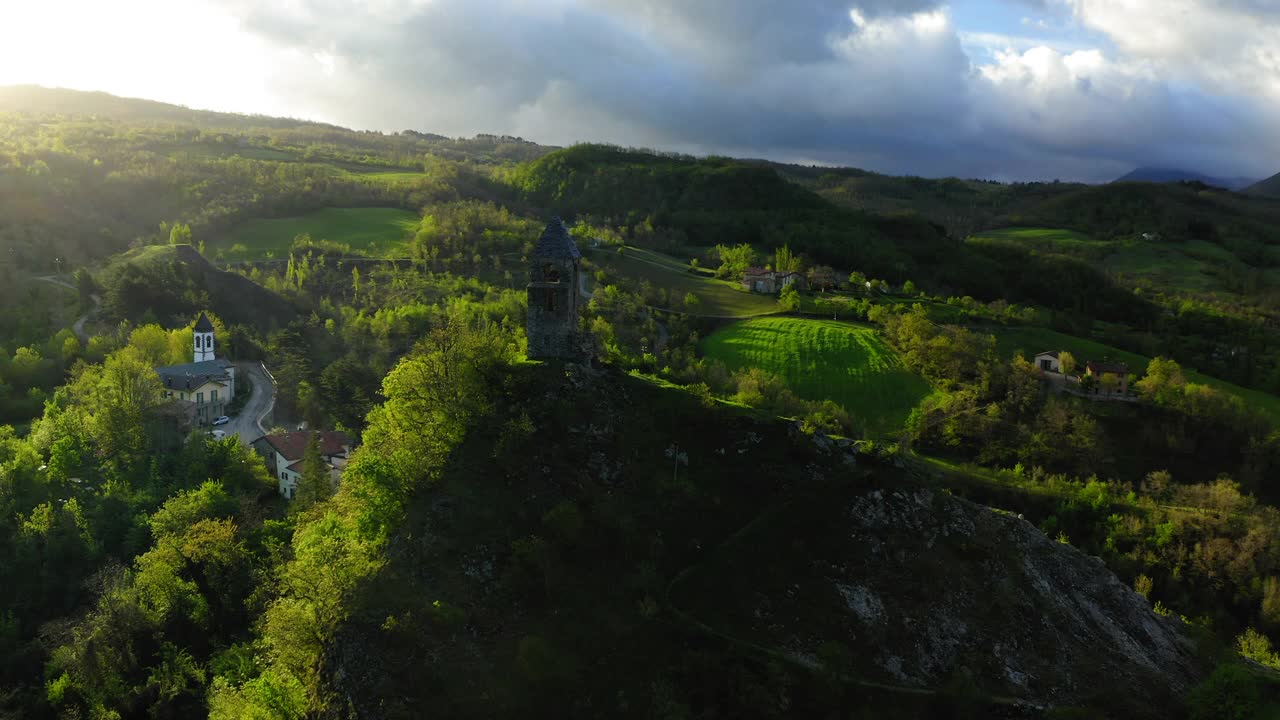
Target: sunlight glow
183, 52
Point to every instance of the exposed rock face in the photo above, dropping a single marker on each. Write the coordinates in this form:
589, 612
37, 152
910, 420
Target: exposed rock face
946, 586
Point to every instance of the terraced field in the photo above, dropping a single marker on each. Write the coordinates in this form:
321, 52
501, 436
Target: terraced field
376, 231
825, 359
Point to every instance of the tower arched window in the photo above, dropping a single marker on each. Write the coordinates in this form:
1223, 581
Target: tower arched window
550, 273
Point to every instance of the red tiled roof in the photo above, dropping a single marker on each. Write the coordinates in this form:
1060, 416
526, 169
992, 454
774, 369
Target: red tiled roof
293, 445
1099, 368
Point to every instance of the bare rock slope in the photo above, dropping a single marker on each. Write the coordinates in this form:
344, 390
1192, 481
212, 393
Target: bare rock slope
1034, 618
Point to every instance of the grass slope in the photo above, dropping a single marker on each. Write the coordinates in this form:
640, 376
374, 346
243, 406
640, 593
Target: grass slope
1187, 265
716, 297
825, 359
1031, 340
1050, 239
377, 231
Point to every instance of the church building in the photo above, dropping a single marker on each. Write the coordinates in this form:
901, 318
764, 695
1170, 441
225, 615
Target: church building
202, 388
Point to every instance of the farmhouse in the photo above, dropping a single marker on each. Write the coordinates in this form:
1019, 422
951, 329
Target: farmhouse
284, 453
199, 391
1048, 362
761, 280
1098, 370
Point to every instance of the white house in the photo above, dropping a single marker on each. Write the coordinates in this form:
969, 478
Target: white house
201, 389
284, 455
1048, 362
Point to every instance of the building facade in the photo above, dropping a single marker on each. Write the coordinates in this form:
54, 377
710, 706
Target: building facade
202, 389
284, 452
770, 282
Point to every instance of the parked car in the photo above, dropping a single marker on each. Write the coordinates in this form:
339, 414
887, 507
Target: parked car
218, 434
221, 421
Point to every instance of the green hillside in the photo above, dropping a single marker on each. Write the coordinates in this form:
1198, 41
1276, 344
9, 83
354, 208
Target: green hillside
1032, 340
716, 298
372, 230
825, 359
1185, 265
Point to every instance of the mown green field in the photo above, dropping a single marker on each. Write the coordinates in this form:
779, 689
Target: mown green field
715, 297
1032, 340
375, 231
826, 360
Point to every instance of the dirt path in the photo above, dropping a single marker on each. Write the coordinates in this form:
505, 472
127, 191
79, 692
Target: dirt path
78, 326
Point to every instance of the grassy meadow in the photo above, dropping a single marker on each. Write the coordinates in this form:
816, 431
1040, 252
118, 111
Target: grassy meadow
1189, 266
375, 231
825, 359
716, 297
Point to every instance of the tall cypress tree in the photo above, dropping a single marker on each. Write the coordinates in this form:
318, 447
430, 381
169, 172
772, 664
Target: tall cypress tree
314, 485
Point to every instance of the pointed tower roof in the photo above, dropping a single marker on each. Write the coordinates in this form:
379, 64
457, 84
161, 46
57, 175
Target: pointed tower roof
203, 325
555, 243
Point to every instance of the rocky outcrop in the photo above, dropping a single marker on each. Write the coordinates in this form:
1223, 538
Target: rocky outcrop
938, 587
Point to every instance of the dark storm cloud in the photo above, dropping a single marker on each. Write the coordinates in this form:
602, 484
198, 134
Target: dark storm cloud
887, 87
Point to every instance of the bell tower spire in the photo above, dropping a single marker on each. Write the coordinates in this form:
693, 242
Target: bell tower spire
203, 339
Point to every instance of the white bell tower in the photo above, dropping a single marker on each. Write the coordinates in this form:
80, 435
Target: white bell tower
203, 339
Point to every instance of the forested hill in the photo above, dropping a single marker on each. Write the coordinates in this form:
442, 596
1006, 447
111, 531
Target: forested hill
37, 100
718, 201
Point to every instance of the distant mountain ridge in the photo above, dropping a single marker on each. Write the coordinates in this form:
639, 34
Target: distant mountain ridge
1267, 188
1167, 175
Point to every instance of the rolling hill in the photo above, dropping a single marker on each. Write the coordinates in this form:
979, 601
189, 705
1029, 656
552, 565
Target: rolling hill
1267, 188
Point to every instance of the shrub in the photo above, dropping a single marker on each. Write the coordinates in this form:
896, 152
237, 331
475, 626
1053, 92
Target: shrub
1230, 693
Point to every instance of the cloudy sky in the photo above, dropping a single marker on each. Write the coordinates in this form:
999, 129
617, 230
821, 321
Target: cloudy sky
1005, 89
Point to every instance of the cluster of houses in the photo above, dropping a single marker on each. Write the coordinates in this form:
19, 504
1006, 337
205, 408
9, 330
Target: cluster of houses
1050, 363
199, 392
771, 282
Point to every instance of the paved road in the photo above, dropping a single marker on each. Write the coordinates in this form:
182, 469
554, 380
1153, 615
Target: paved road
248, 422
78, 326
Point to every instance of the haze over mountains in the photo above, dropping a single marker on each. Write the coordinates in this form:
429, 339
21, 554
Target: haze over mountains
1164, 175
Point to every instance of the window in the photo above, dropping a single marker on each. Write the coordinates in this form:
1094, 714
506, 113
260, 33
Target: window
213, 396
550, 273
184, 396
549, 300
200, 398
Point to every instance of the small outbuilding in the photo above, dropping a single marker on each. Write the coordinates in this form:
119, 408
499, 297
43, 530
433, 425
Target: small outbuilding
1048, 362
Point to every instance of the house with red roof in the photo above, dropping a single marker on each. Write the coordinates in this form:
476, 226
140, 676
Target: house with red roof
283, 453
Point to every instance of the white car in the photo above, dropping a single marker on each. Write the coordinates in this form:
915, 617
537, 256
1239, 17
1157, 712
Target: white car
221, 421
218, 434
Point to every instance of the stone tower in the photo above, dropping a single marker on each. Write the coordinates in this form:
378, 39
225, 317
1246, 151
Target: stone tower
552, 326
203, 339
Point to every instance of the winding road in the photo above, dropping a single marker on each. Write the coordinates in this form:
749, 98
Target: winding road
248, 422
78, 326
